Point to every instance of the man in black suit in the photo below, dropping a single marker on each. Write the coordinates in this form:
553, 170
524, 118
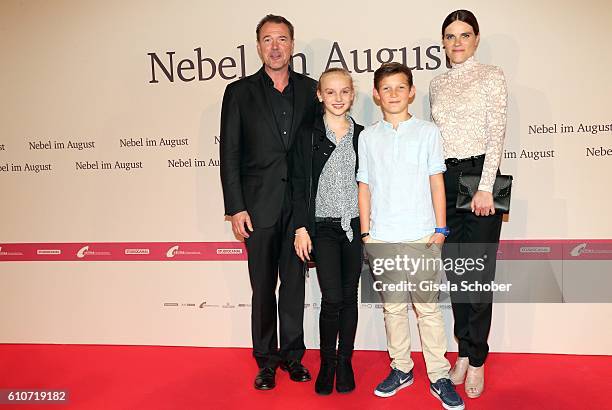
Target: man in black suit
260, 117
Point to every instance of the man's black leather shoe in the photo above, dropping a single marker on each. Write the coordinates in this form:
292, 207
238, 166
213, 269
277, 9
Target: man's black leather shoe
297, 372
265, 378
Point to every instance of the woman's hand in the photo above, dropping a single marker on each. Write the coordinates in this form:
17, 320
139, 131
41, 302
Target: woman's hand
302, 244
482, 204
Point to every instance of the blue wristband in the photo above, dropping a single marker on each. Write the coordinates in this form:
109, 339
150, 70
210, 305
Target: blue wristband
444, 231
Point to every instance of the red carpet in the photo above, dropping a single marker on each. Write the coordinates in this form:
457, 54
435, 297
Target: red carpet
140, 377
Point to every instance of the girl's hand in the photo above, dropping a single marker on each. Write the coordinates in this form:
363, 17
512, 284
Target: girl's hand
302, 244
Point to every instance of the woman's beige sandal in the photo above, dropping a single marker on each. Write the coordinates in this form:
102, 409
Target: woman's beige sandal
474, 381
457, 373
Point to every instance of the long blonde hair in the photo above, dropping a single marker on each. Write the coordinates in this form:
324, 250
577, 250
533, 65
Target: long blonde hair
332, 70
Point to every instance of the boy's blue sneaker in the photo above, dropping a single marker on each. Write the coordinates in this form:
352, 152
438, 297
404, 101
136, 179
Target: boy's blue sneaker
444, 391
396, 380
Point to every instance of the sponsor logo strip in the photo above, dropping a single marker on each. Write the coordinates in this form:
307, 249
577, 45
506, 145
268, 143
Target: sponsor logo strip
558, 249
128, 251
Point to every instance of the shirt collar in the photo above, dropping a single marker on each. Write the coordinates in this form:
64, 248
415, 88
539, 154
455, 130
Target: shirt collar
268, 81
470, 62
332, 136
387, 124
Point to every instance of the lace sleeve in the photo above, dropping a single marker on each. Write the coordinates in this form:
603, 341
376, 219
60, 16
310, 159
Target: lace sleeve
497, 102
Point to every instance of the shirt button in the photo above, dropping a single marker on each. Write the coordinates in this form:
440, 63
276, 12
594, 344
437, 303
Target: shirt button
284, 132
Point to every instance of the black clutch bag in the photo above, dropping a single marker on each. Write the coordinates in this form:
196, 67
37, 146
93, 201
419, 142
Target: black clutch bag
468, 185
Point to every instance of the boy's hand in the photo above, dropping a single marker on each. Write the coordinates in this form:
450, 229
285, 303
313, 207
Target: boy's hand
436, 238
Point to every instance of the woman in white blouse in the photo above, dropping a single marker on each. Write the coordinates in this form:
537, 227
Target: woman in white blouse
468, 104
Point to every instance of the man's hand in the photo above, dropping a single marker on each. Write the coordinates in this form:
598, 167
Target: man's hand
482, 204
302, 244
238, 221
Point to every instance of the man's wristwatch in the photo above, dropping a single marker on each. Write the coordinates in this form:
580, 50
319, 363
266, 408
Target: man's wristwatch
444, 231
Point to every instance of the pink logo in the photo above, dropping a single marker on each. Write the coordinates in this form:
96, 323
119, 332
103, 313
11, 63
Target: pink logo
578, 249
175, 251
6, 253
172, 251
586, 250
84, 251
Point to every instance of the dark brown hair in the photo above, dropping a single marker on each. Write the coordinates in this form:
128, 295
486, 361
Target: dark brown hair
272, 18
465, 16
392, 68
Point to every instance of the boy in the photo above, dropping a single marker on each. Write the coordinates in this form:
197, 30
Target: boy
402, 209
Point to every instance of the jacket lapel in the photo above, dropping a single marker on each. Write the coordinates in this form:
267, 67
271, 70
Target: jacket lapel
319, 143
263, 102
301, 96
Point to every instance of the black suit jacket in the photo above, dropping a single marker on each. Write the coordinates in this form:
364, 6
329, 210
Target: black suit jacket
310, 153
255, 161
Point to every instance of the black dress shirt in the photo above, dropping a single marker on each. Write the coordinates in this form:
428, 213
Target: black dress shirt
282, 106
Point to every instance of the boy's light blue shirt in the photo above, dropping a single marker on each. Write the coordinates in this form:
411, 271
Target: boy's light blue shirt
396, 165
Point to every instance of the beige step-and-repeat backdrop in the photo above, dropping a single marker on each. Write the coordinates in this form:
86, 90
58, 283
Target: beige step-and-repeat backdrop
112, 227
